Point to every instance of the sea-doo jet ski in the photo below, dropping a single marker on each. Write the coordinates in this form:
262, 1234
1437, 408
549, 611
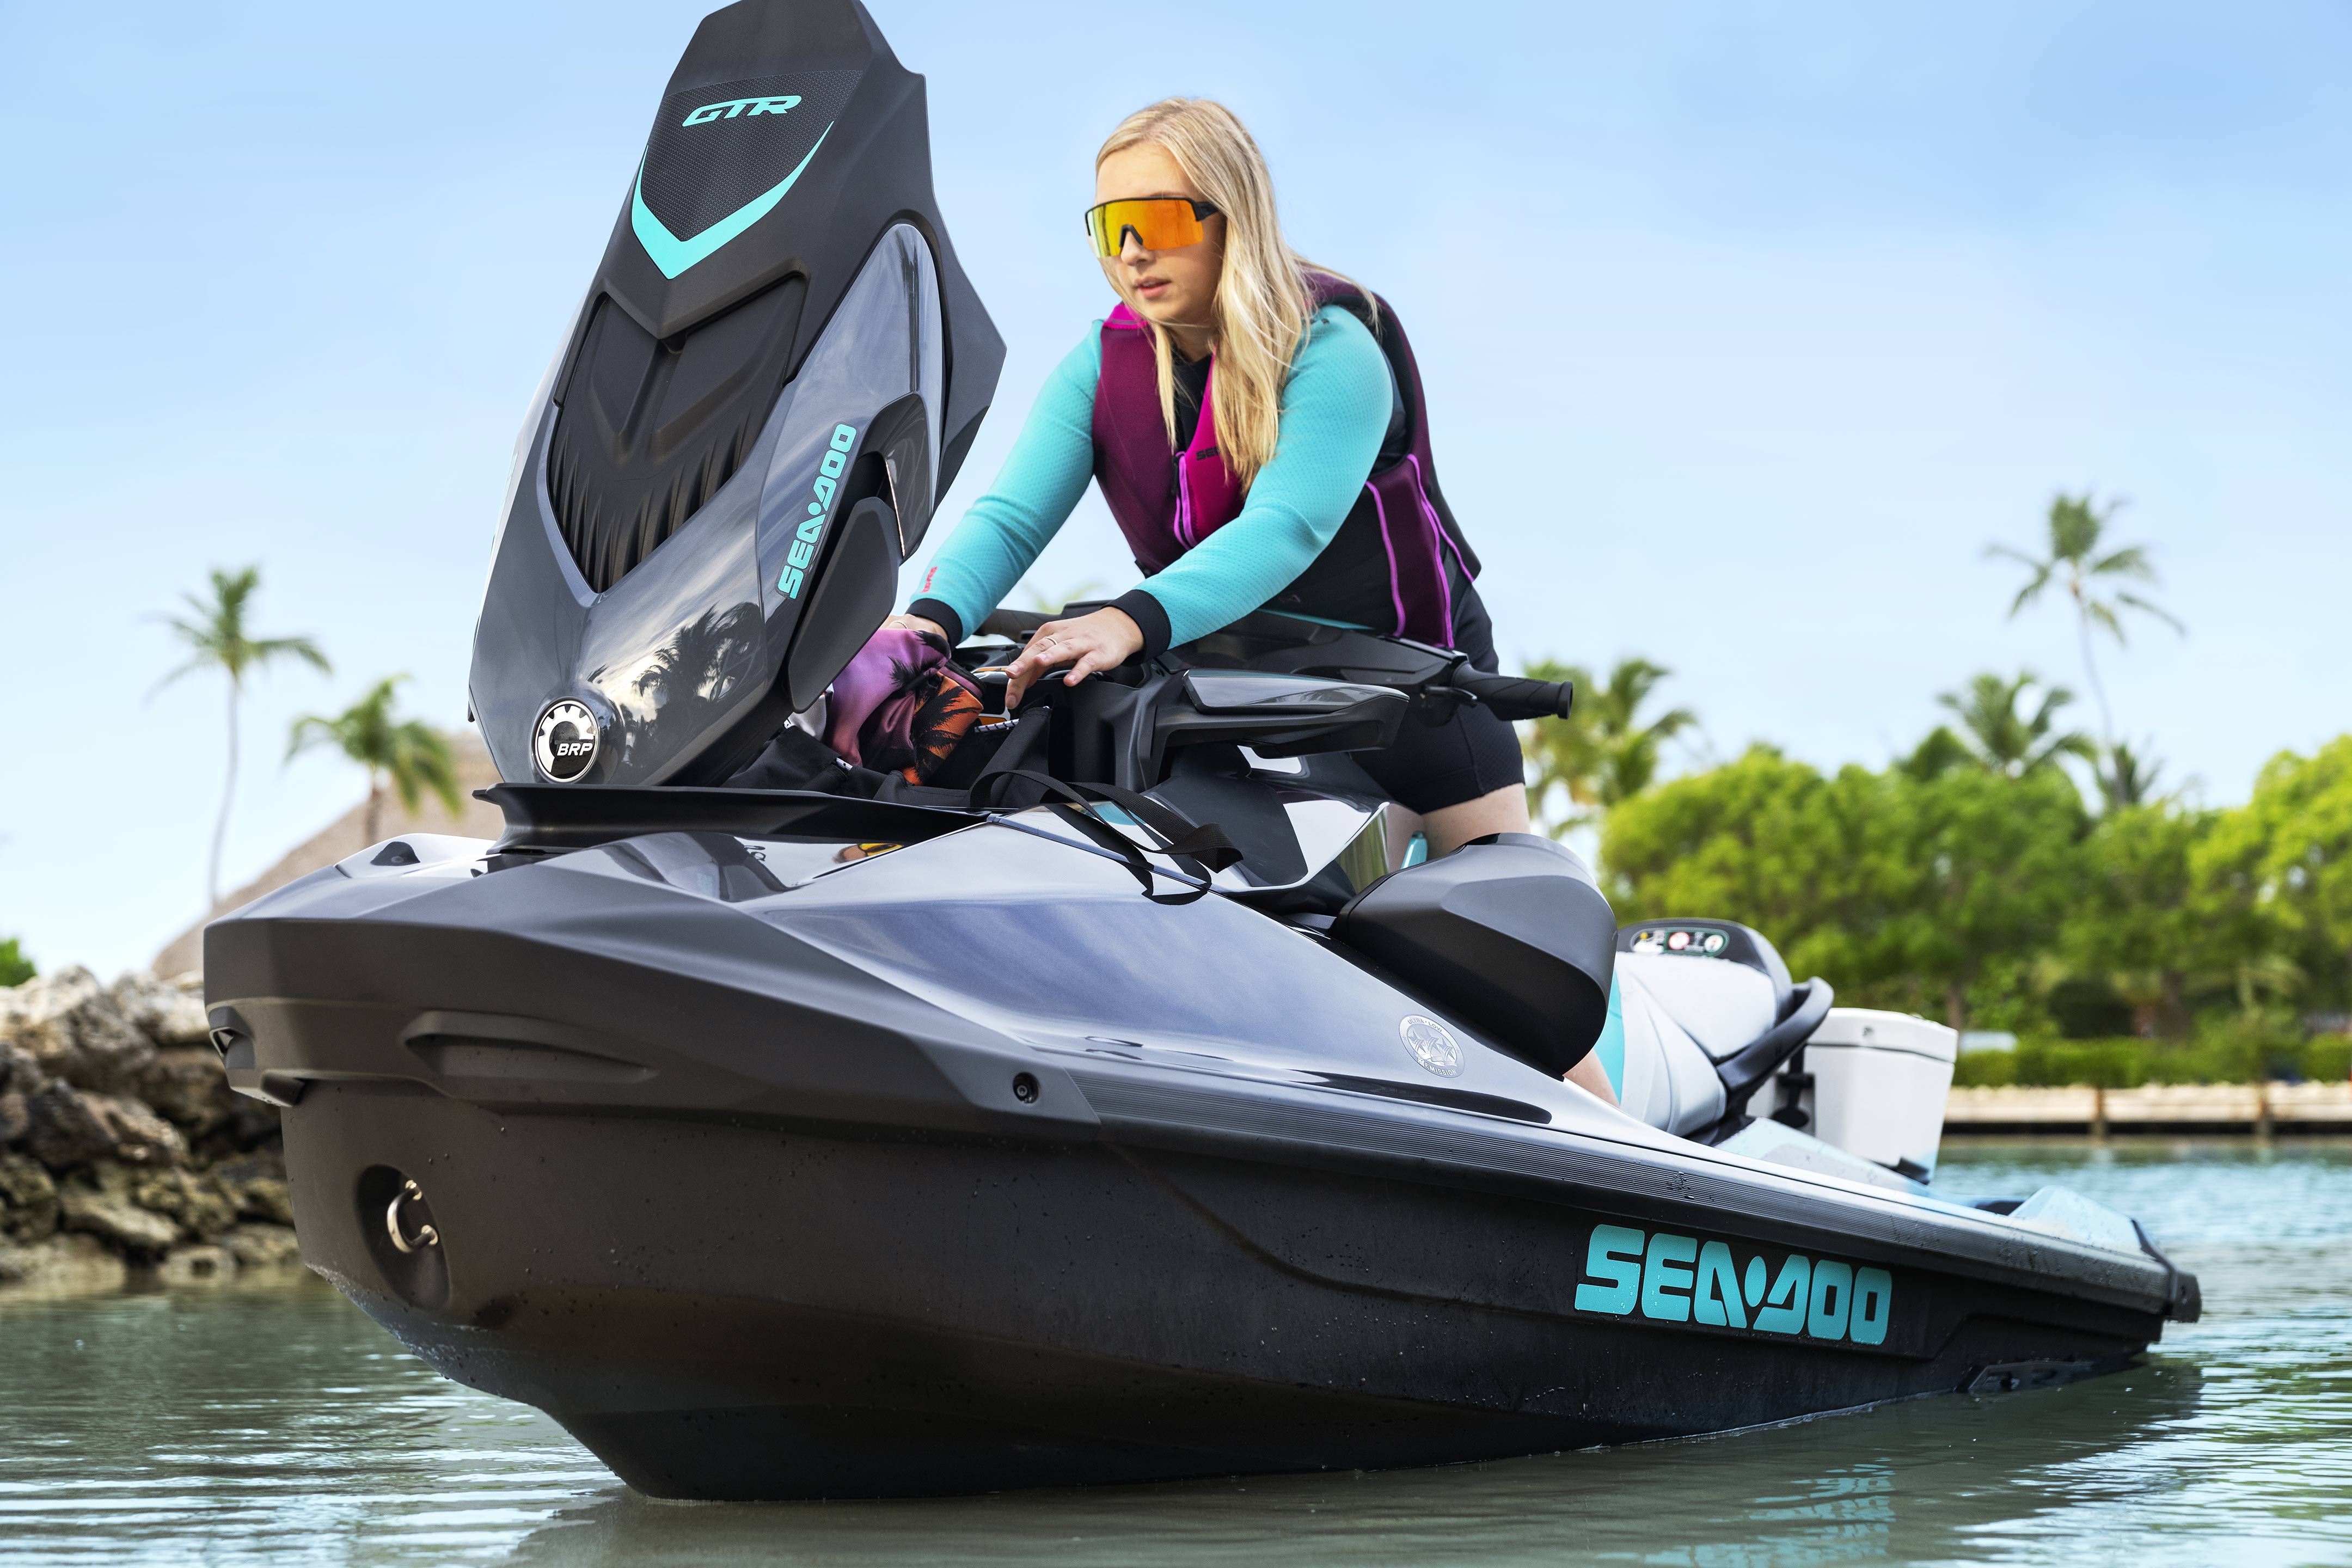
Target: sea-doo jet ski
1107, 1111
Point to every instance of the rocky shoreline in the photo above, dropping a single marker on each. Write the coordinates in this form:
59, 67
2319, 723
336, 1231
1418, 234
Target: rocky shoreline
124, 1158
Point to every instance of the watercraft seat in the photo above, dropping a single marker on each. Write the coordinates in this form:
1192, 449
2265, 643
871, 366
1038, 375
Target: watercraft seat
1509, 934
1703, 1013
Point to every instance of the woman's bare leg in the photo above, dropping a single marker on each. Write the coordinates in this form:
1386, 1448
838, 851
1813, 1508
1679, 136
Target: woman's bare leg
1497, 811
1590, 1076
1401, 825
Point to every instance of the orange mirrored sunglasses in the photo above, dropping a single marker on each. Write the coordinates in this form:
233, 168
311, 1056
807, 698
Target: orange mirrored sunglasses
1158, 223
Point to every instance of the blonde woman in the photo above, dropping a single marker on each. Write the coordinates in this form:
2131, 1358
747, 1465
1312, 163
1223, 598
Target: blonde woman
1256, 426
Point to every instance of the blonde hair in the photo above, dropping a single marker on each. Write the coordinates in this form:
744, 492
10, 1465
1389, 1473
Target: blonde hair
1262, 305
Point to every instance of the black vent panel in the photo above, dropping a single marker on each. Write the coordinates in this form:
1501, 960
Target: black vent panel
649, 428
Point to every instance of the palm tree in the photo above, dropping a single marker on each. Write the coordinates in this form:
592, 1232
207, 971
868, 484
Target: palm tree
2076, 526
2128, 777
1938, 753
1602, 754
2008, 741
216, 633
410, 753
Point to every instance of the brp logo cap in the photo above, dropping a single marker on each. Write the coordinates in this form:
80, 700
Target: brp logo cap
564, 742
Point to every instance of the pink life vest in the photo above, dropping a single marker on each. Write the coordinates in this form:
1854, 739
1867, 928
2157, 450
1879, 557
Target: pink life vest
1387, 567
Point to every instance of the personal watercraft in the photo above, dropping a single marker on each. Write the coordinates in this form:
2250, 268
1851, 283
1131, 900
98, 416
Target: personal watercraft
1105, 1110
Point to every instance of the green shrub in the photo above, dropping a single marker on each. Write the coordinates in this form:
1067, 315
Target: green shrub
1985, 1069
2328, 1058
14, 967
2227, 1054
2111, 1063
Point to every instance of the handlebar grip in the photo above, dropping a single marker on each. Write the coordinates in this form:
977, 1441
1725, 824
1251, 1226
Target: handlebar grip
1516, 696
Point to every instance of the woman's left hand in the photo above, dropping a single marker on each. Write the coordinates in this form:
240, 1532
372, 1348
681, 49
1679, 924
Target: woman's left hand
1103, 640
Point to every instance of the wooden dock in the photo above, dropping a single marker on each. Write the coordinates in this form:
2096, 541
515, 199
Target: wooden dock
2263, 1110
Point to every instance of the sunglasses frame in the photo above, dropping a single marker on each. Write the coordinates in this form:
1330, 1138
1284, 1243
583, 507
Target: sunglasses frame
1202, 212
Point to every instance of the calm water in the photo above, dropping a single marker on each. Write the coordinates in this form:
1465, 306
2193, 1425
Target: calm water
282, 1426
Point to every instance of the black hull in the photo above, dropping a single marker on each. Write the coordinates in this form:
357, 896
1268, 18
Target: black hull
762, 1311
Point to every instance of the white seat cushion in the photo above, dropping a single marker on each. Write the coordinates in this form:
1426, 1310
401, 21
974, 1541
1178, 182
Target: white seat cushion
1669, 1081
1720, 1005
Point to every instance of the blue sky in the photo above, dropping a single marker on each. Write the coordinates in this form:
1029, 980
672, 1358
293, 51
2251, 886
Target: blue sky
1744, 327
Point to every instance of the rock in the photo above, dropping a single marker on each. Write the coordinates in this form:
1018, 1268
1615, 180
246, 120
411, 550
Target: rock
198, 1266
263, 1245
69, 1127
268, 1162
15, 1120
166, 1012
19, 1073
256, 1122
257, 1183
267, 1199
61, 1266
28, 1200
189, 1087
75, 1030
118, 1220
201, 1203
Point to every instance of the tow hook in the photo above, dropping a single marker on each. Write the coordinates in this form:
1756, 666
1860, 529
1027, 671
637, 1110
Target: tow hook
425, 1234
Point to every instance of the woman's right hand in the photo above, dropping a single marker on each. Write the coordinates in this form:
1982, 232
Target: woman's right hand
916, 624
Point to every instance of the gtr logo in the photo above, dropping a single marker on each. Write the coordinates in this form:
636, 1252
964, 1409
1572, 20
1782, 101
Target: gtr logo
564, 741
735, 105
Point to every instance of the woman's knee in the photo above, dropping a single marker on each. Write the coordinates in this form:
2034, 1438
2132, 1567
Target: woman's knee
1503, 810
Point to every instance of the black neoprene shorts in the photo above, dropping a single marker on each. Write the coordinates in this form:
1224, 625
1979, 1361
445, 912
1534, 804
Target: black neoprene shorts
1473, 753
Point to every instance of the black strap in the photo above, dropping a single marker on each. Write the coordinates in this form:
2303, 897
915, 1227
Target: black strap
1199, 848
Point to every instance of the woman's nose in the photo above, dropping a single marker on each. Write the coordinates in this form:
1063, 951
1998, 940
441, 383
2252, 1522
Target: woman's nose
1130, 249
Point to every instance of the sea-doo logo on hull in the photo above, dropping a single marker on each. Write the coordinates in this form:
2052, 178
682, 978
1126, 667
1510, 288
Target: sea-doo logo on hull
563, 743
1673, 1279
1433, 1045
811, 531
735, 105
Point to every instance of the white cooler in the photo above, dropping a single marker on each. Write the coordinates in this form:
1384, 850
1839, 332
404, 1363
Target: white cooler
1879, 1083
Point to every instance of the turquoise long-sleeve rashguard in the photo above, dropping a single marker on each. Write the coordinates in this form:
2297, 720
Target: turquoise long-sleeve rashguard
1335, 411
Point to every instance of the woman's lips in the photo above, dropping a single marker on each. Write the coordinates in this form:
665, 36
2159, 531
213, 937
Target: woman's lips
1149, 287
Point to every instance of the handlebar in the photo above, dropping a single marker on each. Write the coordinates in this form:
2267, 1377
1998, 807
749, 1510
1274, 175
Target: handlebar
1369, 657
1515, 696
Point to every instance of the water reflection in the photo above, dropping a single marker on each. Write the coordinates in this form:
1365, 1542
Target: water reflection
281, 1425
1931, 1480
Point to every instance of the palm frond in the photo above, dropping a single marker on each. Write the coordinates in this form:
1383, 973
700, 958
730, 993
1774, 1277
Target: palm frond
303, 649
2131, 561
2160, 611
308, 730
2042, 571
190, 667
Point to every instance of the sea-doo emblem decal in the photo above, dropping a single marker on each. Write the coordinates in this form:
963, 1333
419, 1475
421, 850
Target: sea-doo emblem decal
1680, 1279
564, 741
1433, 1045
673, 255
735, 105
811, 533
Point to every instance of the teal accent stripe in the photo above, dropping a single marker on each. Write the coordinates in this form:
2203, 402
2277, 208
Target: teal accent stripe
674, 255
1611, 1046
